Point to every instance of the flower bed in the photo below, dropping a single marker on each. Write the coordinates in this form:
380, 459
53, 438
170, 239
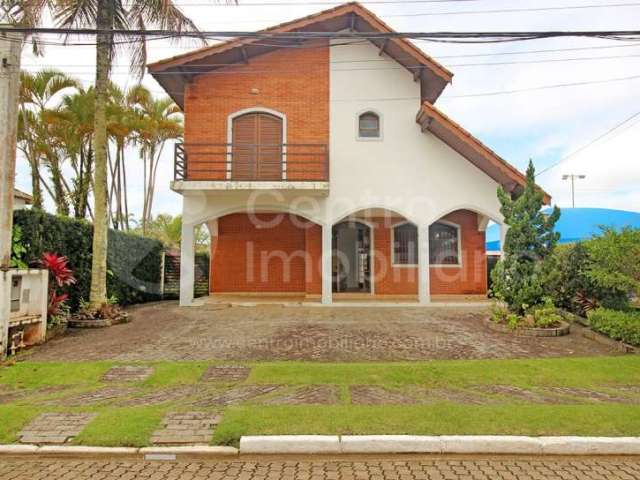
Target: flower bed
562, 328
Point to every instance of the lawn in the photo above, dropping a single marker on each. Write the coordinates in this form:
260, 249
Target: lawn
29, 388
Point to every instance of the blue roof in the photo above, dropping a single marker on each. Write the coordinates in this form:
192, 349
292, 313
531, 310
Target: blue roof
578, 224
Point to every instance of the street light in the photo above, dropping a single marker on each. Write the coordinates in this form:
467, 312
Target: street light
573, 177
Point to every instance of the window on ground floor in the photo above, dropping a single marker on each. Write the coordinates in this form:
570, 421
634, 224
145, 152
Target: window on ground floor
405, 244
444, 244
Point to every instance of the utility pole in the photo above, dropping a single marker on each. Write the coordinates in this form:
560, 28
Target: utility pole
573, 177
10, 49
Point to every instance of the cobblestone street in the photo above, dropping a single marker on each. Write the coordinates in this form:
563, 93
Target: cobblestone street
363, 468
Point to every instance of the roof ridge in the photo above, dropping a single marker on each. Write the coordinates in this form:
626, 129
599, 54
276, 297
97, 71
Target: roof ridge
349, 7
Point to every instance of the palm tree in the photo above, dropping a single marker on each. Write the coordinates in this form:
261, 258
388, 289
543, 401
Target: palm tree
161, 121
36, 94
105, 16
168, 230
124, 121
72, 126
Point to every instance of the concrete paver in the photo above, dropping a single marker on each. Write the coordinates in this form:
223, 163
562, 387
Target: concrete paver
163, 331
351, 468
186, 428
55, 428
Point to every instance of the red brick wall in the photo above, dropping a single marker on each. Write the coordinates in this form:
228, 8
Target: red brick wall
300, 92
285, 256
471, 277
313, 266
389, 279
246, 257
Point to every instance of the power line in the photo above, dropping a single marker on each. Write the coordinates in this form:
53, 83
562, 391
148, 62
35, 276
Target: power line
429, 14
514, 10
206, 68
506, 36
595, 140
543, 87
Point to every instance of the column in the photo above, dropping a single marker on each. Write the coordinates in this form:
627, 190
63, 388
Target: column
424, 288
326, 265
187, 264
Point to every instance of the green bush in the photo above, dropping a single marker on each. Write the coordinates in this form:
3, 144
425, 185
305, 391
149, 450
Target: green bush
546, 315
619, 325
603, 271
133, 262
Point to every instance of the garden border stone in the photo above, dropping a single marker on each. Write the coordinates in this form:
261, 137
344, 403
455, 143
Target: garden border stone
563, 329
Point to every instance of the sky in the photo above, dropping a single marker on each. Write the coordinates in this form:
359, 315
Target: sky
554, 127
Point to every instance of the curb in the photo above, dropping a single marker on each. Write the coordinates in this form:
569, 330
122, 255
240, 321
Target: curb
146, 453
354, 444
444, 444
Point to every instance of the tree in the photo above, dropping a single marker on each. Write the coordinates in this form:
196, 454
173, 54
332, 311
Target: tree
37, 91
518, 278
168, 230
161, 120
105, 16
74, 123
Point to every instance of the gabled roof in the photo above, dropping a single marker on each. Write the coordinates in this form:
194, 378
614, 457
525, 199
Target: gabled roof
175, 72
22, 195
433, 120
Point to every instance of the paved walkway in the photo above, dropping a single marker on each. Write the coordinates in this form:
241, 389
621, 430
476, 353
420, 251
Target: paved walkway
367, 468
163, 331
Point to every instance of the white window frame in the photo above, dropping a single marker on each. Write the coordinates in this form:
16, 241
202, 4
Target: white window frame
379, 138
459, 229
244, 111
394, 264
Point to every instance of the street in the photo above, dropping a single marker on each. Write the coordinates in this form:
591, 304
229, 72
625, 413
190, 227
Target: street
405, 467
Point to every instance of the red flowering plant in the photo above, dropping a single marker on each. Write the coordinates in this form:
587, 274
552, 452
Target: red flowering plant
60, 276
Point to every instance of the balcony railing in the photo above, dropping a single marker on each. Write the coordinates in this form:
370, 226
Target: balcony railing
255, 163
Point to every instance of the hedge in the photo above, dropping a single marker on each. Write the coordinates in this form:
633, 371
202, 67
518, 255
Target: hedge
619, 325
133, 262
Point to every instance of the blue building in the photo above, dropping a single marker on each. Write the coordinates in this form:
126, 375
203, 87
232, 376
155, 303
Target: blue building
577, 224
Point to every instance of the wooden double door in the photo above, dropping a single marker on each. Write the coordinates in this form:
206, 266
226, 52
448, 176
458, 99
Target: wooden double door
257, 147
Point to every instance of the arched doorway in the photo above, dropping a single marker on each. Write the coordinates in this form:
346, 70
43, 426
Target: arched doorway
351, 245
257, 147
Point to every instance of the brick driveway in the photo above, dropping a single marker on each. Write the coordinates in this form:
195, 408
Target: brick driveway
163, 331
364, 468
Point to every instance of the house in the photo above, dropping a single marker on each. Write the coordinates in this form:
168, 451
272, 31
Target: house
21, 199
323, 168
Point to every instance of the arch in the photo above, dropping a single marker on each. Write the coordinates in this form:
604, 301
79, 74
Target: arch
495, 216
378, 116
393, 243
262, 209
246, 111
352, 211
458, 229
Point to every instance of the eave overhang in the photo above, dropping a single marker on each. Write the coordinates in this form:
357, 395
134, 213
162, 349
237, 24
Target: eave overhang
174, 73
433, 120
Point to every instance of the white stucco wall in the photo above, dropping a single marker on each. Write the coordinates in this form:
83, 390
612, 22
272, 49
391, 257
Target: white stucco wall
19, 203
413, 173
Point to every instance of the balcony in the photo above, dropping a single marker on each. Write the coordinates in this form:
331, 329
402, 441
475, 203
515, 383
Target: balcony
229, 166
